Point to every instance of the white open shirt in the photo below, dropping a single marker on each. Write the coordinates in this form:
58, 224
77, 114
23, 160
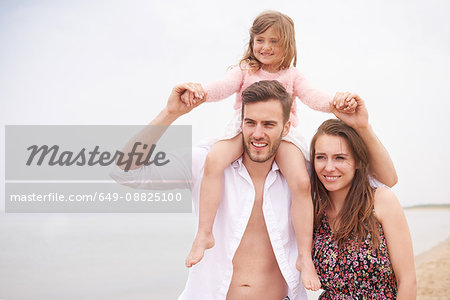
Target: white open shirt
211, 277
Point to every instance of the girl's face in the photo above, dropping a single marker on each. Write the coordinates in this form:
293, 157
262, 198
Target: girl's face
334, 163
267, 49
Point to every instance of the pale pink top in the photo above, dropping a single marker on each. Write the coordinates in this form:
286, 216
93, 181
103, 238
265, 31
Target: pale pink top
237, 80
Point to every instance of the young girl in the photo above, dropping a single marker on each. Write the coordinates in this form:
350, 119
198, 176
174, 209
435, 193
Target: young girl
271, 50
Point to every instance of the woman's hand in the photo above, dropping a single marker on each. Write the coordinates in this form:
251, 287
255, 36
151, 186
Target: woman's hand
350, 109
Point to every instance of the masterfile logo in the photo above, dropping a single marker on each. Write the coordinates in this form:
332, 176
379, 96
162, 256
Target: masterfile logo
67, 169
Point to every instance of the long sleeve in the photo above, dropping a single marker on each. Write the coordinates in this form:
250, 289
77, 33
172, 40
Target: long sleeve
309, 95
230, 84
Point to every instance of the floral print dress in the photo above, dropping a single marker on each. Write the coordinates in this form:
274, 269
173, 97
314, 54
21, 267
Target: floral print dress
352, 272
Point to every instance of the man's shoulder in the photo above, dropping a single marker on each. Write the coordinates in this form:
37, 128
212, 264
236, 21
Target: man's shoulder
201, 149
199, 152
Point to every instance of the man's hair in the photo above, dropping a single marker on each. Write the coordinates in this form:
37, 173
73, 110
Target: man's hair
266, 90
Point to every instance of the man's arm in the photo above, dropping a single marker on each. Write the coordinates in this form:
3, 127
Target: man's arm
174, 109
381, 166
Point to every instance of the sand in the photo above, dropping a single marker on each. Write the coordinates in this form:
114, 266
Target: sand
433, 272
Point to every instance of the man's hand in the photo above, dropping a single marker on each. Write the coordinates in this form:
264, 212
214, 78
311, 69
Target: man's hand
191, 98
175, 104
358, 119
175, 108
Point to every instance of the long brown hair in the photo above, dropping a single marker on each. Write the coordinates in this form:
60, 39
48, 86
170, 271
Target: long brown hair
285, 28
356, 219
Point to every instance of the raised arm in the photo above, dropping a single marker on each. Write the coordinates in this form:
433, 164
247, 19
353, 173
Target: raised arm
174, 109
309, 95
230, 84
391, 217
381, 166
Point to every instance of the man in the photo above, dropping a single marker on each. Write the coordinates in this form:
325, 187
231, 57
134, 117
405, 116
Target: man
255, 249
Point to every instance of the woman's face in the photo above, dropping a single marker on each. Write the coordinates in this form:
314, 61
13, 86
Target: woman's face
334, 163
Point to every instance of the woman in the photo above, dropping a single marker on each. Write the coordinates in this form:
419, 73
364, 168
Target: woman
362, 245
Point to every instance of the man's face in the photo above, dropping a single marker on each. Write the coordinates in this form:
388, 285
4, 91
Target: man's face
262, 129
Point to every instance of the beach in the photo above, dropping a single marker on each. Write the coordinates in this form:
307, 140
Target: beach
141, 256
433, 272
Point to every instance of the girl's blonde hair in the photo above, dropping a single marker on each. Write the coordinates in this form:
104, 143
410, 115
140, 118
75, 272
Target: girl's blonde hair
285, 28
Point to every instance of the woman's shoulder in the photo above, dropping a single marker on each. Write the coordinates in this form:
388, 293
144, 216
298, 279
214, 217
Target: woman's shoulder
385, 203
383, 192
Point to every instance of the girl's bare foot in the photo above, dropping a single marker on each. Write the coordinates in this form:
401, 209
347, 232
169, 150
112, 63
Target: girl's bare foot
309, 275
201, 242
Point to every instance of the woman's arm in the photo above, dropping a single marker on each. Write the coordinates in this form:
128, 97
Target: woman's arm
381, 166
390, 214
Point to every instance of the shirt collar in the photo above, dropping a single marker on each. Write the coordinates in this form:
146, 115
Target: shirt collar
237, 164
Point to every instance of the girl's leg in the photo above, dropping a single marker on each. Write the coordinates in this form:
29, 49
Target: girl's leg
293, 167
222, 154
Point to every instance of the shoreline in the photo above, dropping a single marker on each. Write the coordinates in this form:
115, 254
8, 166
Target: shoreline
427, 206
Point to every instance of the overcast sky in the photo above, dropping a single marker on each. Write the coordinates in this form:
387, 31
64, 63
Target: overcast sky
114, 62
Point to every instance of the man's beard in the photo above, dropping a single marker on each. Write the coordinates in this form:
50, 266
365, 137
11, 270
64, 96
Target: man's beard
272, 150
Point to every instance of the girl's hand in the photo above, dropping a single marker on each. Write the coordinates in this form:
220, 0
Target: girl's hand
191, 97
357, 119
345, 102
350, 105
176, 106
188, 98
